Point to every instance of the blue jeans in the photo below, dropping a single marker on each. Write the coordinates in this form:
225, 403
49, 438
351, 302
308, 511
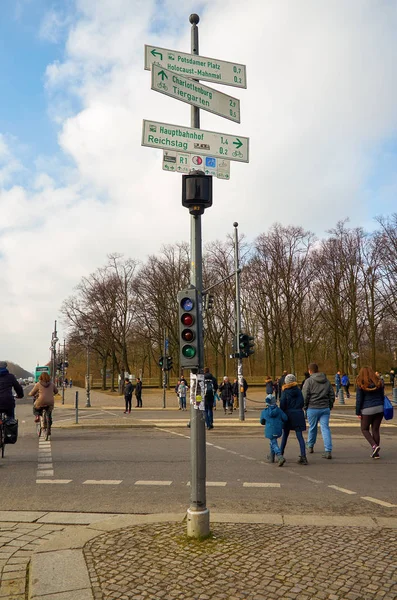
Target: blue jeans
182, 400
299, 437
209, 416
274, 446
315, 416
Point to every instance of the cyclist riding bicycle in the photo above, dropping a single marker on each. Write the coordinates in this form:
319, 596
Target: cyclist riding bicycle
8, 382
43, 393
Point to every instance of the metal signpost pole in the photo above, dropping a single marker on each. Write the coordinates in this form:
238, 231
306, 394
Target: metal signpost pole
63, 374
198, 521
88, 403
238, 325
164, 366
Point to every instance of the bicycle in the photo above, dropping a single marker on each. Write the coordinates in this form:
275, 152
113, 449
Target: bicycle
43, 426
3, 417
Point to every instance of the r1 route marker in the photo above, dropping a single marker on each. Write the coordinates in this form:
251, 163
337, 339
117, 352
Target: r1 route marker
195, 93
197, 67
195, 141
179, 162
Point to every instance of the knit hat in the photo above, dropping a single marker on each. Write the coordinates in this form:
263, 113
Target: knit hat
3, 364
290, 379
270, 399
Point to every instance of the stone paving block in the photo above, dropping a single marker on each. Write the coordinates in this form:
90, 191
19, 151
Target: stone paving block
20, 516
120, 521
13, 587
84, 594
73, 518
72, 538
60, 571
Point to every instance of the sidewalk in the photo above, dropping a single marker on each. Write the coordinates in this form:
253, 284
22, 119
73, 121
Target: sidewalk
247, 557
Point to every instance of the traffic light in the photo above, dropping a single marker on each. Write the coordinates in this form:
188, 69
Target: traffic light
208, 301
189, 342
169, 363
246, 345
161, 362
197, 192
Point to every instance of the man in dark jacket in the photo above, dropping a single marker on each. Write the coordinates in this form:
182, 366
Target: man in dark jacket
129, 388
8, 382
138, 393
319, 398
210, 387
281, 382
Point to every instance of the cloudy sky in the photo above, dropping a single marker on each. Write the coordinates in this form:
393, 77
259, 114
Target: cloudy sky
75, 184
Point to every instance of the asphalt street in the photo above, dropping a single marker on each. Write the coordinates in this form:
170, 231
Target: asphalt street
147, 470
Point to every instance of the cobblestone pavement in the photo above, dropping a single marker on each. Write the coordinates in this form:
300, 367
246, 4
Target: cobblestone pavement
240, 561
18, 541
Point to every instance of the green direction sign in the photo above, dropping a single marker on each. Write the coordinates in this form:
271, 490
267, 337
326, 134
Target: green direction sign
195, 141
195, 93
199, 67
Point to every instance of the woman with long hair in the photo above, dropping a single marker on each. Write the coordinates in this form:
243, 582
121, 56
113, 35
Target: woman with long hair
370, 396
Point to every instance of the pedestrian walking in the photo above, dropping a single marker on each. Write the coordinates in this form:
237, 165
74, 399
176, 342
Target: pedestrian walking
291, 403
346, 384
182, 391
281, 382
269, 385
70, 383
138, 393
276, 388
226, 391
235, 390
128, 391
319, 398
210, 389
370, 397
306, 375
273, 418
338, 382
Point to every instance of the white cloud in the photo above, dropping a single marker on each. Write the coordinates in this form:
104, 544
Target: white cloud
320, 99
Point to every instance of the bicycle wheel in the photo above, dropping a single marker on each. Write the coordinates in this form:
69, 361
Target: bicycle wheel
47, 431
2, 440
38, 427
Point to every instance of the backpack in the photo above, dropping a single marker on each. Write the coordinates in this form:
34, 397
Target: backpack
209, 391
10, 431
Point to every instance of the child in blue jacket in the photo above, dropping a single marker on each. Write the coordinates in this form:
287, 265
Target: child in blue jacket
273, 418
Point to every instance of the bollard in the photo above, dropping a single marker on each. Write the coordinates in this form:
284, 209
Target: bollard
341, 397
77, 407
394, 398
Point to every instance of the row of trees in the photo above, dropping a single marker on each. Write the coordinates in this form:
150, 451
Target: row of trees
303, 299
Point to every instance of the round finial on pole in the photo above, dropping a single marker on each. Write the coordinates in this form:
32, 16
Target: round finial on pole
194, 19
235, 224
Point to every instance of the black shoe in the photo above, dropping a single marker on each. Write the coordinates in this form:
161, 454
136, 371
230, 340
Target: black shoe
302, 460
310, 449
327, 455
270, 457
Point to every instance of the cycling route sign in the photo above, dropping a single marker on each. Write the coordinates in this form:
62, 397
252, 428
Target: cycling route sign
179, 162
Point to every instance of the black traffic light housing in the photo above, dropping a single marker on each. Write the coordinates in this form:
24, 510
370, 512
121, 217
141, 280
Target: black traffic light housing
245, 346
189, 323
161, 361
196, 192
169, 363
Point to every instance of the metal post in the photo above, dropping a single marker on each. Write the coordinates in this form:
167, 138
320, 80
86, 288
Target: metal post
198, 516
88, 403
394, 395
164, 366
63, 374
76, 405
341, 397
238, 325
54, 351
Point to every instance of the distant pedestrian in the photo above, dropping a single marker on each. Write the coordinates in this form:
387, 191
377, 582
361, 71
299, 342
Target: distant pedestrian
235, 391
319, 398
346, 384
370, 397
392, 377
227, 395
281, 382
182, 391
306, 375
210, 389
128, 390
291, 403
338, 382
138, 392
276, 388
70, 383
269, 385
273, 418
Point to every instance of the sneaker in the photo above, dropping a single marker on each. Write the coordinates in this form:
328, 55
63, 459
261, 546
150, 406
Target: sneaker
280, 460
302, 460
37, 419
375, 452
270, 457
125, 412
310, 449
327, 455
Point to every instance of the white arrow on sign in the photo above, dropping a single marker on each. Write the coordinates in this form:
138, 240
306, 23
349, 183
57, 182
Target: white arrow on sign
195, 141
199, 67
179, 162
195, 93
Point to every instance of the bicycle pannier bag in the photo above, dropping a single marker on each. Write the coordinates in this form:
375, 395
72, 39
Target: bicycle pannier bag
10, 431
387, 409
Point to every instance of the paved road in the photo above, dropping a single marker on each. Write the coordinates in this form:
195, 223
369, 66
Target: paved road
148, 470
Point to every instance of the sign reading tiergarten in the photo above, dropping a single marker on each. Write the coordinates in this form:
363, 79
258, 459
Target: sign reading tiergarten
195, 141
195, 66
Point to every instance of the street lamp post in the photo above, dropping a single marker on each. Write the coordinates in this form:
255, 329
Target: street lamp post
87, 338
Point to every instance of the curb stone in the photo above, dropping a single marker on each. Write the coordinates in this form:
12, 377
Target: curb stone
58, 569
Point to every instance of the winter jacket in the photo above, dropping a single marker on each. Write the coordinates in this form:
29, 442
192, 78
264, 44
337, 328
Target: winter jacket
45, 392
138, 388
236, 388
281, 382
7, 383
209, 398
182, 390
129, 388
318, 392
345, 380
226, 390
291, 402
273, 418
269, 386
369, 397
338, 380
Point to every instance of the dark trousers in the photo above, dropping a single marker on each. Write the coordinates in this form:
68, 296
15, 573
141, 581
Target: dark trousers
9, 412
299, 437
128, 402
347, 390
139, 400
374, 422
209, 415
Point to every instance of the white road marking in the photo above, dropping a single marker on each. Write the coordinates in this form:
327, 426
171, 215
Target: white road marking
102, 482
261, 485
44, 467
143, 482
340, 489
44, 459
219, 447
216, 483
380, 502
49, 473
54, 481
